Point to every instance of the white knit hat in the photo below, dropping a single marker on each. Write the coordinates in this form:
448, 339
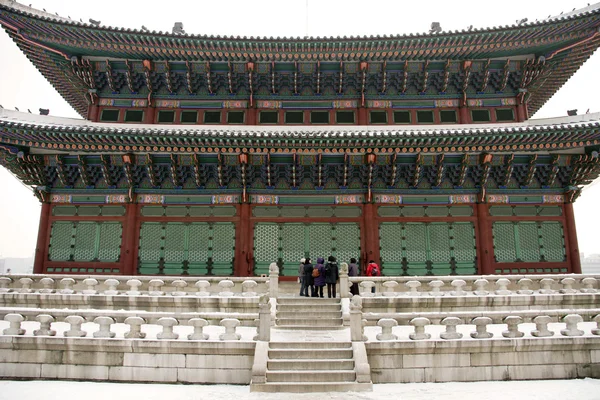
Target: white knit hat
303, 260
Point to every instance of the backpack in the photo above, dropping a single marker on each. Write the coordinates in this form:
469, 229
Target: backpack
375, 270
315, 273
328, 269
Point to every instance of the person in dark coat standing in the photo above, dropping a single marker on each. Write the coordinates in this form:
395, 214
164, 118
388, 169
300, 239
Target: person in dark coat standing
319, 280
332, 275
308, 279
353, 271
301, 274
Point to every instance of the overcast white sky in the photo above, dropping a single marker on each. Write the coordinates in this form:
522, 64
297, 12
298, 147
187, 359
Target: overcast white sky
22, 86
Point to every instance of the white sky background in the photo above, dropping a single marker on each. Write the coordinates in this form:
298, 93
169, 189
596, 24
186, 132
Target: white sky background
22, 86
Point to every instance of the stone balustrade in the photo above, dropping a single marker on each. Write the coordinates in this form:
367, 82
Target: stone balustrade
477, 285
134, 285
128, 325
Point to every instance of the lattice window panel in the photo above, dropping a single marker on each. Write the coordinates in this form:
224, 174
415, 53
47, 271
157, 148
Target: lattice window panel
554, 242
390, 239
175, 242
151, 242
266, 243
60, 241
292, 243
464, 242
505, 249
347, 242
85, 241
109, 248
223, 242
198, 242
529, 244
439, 243
416, 242
319, 241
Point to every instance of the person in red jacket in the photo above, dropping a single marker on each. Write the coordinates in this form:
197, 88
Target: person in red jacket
373, 270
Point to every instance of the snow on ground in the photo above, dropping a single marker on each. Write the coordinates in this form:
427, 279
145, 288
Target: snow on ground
581, 389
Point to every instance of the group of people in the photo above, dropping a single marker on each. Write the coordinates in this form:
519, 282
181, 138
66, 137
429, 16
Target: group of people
327, 274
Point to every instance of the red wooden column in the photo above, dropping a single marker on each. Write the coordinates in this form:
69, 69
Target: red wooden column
571, 237
463, 115
130, 238
243, 243
521, 112
41, 247
362, 116
93, 111
371, 225
485, 240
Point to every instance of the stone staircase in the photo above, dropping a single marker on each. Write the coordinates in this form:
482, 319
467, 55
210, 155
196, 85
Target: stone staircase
308, 313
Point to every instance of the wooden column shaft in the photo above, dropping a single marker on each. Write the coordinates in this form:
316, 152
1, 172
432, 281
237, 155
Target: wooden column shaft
243, 243
362, 116
149, 115
129, 243
484, 240
41, 247
463, 115
571, 238
371, 225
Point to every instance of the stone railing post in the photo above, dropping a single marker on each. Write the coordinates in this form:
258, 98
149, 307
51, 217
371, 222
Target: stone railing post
567, 286
264, 319
167, 331
387, 324
104, 331
541, 326
248, 288
48, 285
481, 324
389, 288
155, 287
91, 286
572, 320
45, 321
546, 286
512, 325
4, 284
75, 331
25, 285
67, 284
451, 323
344, 281
230, 325
14, 327
502, 287
589, 285
226, 285
112, 285
356, 320
458, 287
179, 285
198, 324
413, 287
134, 285
435, 286
135, 328
366, 288
419, 323
273, 280
480, 287
596, 330
202, 288
525, 286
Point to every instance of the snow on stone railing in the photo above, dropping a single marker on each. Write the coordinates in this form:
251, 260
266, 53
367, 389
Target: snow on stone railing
129, 324
134, 285
472, 285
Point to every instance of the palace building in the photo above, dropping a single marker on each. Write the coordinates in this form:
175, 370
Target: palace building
205, 155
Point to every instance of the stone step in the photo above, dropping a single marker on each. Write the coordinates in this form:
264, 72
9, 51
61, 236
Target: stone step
313, 387
301, 346
310, 321
310, 377
309, 314
309, 308
322, 354
306, 300
310, 364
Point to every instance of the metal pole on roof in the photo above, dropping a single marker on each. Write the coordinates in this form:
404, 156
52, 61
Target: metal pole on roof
306, 30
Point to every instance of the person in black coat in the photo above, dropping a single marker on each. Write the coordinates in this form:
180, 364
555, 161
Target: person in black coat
353, 271
332, 275
308, 279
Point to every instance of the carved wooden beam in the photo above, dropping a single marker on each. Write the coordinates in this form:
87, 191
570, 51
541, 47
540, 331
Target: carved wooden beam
505, 75
197, 177
208, 78
174, 174
418, 170
394, 169
508, 169
446, 77
464, 167
188, 77
220, 169
425, 77
404, 77
150, 168
440, 170
531, 169
83, 171
109, 77
486, 76
61, 170
105, 170
486, 161
341, 88
383, 77
229, 77
268, 158
168, 77
554, 171
318, 91
128, 76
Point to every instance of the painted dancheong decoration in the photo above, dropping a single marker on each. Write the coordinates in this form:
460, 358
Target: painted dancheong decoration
221, 155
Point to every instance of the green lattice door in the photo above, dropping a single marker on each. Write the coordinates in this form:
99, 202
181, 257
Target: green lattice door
529, 241
178, 248
436, 248
85, 241
287, 243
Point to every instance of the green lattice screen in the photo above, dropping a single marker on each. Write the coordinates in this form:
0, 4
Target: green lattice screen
85, 241
528, 241
287, 243
437, 248
178, 248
